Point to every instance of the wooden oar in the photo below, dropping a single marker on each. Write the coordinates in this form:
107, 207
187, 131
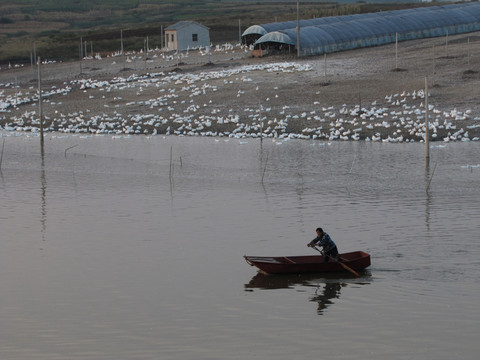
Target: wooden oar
342, 264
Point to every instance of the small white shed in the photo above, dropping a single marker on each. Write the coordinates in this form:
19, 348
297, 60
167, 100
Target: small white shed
186, 35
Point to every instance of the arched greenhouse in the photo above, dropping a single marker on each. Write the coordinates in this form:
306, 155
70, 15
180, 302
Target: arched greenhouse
337, 33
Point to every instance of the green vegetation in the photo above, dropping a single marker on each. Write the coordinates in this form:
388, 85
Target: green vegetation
56, 26
5, 20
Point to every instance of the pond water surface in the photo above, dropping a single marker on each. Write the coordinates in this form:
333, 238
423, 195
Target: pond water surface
132, 248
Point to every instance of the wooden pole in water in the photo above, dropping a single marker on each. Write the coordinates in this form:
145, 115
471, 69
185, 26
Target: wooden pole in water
121, 41
31, 66
35, 51
446, 45
264, 167
431, 177
359, 98
427, 148
1, 155
171, 163
123, 52
239, 32
468, 51
80, 56
325, 66
396, 50
40, 106
298, 28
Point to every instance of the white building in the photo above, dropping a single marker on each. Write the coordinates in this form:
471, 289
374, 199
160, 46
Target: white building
186, 35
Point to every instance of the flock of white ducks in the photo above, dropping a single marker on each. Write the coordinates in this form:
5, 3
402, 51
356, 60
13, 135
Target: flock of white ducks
181, 104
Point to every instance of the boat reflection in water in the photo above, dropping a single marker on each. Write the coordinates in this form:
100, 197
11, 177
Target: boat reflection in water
327, 287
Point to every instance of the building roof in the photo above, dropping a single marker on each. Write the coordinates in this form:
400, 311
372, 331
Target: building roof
182, 24
318, 36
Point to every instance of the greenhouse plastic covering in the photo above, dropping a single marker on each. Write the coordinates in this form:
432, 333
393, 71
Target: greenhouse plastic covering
336, 33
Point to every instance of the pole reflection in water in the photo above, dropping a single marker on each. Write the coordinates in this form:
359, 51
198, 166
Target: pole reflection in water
327, 286
428, 182
427, 194
43, 206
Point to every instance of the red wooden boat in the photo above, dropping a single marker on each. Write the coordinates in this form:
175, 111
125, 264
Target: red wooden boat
357, 260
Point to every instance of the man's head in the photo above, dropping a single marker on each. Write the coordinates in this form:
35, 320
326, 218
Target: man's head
319, 231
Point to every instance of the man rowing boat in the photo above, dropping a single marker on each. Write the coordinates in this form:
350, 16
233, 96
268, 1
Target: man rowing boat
325, 241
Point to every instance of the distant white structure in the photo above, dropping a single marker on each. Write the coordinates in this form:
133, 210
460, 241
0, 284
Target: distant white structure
186, 35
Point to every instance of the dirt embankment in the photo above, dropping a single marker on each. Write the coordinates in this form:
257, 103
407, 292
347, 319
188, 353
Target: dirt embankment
372, 93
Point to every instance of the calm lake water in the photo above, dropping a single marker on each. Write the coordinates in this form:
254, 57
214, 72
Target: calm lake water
110, 250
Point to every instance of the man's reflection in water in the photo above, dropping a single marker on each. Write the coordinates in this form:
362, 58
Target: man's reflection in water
325, 293
327, 286
324, 296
